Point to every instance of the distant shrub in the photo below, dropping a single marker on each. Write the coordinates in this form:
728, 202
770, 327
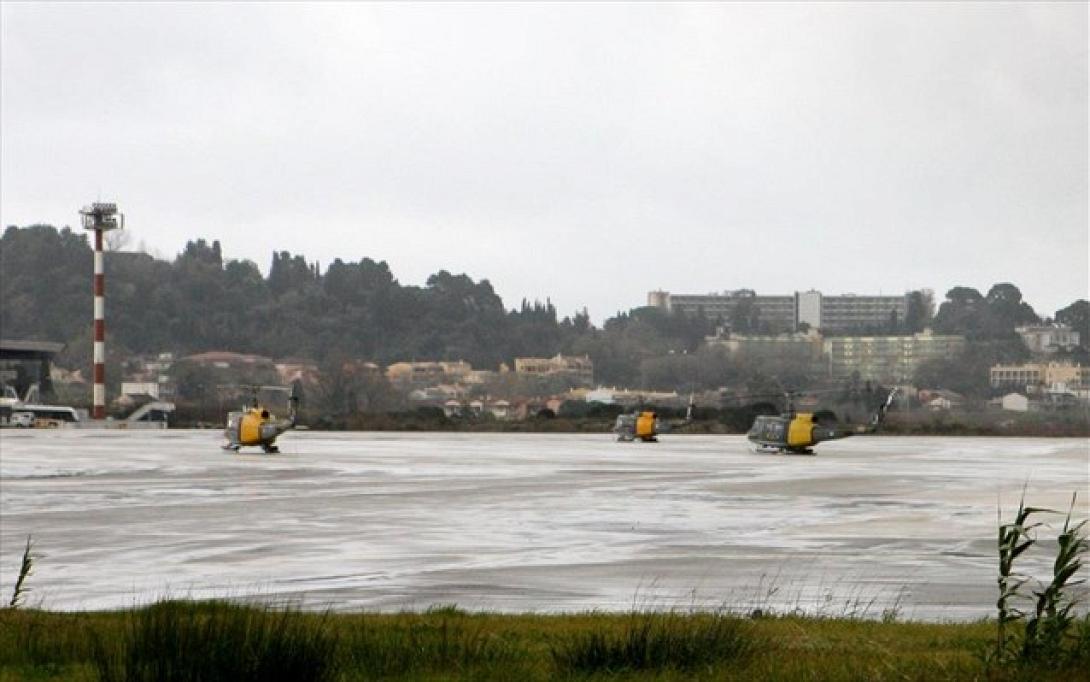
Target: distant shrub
430, 413
657, 641
181, 641
444, 640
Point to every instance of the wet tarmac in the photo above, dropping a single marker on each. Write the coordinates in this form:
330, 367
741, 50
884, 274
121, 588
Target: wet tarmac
354, 521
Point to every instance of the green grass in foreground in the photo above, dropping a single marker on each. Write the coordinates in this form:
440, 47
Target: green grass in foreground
180, 640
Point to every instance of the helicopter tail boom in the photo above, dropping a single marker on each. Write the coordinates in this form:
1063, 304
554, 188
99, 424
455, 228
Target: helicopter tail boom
293, 404
879, 415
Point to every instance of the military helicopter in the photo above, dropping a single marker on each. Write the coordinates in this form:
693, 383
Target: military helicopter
254, 425
795, 433
645, 426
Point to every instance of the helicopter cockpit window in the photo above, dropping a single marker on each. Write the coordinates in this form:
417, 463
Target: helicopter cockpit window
773, 430
264, 414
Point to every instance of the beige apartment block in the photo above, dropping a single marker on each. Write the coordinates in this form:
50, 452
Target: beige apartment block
1065, 374
428, 372
1035, 376
801, 347
1015, 376
579, 366
888, 359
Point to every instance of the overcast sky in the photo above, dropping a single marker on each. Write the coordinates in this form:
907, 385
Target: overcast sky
588, 153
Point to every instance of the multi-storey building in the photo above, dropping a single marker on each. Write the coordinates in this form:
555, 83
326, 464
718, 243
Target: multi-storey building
629, 398
152, 369
888, 359
776, 314
427, 373
779, 314
808, 309
849, 312
1015, 376
1037, 376
1048, 338
579, 367
806, 348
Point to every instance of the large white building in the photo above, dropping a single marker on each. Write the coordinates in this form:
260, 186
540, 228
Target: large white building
1048, 338
779, 314
776, 313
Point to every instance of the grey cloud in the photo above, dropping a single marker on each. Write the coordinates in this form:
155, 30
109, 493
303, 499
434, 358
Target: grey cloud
588, 153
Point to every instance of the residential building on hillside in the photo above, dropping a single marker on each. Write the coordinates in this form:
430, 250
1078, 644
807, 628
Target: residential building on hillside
780, 314
888, 359
141, 370
1036, 377
437, 394
806, 347
1015, 376
1064, 375
1014, 402
941, 399
808, 309
456, 370
630, 398
428, 373
140, 388
1048, 338
301, 370
776, 313
479, 377
226, 359
850, 312
499, 409
579, 367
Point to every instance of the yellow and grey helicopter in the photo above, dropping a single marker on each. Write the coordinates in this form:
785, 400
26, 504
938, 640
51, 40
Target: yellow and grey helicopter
255, 426
795, 433
645, 426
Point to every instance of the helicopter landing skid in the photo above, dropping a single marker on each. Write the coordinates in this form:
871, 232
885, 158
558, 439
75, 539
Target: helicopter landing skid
270, 449
230, 447
780, 450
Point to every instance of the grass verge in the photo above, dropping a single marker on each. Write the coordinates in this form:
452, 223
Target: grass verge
657, 641
180, 640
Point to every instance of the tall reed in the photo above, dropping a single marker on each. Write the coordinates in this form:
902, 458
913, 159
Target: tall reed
1049, 626
1052, 636
18, 595
1014, 539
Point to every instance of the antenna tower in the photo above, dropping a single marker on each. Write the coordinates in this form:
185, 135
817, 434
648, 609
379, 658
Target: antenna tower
100, 217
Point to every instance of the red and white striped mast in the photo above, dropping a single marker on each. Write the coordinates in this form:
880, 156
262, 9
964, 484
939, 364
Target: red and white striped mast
100, 217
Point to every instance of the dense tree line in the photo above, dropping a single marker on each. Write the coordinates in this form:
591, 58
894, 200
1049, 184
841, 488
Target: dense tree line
203, 301
988, 321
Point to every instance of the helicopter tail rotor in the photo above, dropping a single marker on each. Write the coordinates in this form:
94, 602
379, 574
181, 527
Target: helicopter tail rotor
880, 414
294, 398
